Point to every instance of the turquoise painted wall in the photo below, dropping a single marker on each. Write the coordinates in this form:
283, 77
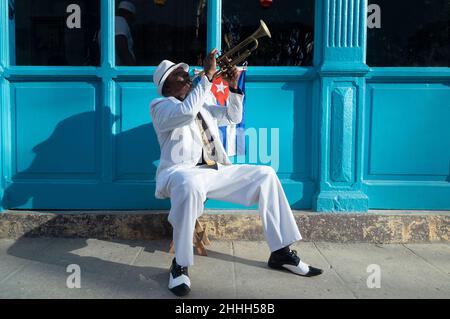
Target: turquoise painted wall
353, 137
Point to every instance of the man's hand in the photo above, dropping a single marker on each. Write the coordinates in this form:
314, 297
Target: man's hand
209, 64
232, 77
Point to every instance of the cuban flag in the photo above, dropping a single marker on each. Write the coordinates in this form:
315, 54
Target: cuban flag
232, 136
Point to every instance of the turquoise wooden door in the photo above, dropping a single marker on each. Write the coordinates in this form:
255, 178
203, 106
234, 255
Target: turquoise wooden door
81, 137
407, 144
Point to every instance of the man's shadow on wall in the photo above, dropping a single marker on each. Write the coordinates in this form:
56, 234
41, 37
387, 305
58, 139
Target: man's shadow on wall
73, 152
65, 147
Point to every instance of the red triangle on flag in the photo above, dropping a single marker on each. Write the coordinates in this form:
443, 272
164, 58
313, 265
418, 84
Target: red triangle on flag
220, 90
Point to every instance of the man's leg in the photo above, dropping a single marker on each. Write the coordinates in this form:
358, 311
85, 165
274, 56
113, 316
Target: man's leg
186, 198
258, 184
251, 184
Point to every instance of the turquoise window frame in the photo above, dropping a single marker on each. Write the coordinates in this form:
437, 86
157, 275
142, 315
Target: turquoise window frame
108, 70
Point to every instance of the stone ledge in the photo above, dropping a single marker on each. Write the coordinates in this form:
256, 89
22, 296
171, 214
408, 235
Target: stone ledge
370, 227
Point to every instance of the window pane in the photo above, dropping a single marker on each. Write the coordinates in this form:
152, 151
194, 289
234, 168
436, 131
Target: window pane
46, 34
160, 29
290, 22
408, 33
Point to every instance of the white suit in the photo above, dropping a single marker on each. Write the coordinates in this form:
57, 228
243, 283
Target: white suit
189, 185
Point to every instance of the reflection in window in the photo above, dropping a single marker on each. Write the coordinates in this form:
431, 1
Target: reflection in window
149, 31
408, 33
46, 34
290, 22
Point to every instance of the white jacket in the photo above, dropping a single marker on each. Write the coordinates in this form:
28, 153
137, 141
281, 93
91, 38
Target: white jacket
178, 135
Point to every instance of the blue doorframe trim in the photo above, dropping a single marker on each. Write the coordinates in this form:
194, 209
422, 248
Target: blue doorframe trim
3, 91
11, 32
338, 111
107, 33
4, 29
214, 25
409, 74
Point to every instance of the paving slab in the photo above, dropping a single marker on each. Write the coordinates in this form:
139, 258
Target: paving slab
402, 273
437, 255
105, 266
11, 263
254, 279
211, 276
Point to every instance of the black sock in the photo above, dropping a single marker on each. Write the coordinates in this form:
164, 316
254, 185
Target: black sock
282, 251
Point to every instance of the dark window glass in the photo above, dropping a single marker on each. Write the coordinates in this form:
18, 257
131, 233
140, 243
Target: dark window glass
408, 33
160, 29
46, 34
291, 23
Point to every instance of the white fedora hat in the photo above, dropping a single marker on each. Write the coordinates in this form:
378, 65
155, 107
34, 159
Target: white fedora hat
163, 70
127, 5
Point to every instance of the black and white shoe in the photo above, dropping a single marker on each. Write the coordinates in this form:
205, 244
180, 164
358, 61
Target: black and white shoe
290, 261
179, 282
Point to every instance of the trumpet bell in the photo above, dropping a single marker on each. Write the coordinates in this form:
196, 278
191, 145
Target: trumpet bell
241, 51
264, 29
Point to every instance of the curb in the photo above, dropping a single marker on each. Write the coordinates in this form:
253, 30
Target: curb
369, 227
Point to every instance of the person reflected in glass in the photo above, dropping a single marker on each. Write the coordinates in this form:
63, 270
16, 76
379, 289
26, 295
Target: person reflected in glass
125, 17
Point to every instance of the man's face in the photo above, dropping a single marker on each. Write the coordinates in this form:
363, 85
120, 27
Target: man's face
178, 84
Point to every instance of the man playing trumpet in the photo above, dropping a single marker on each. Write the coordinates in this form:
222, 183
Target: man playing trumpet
194, 166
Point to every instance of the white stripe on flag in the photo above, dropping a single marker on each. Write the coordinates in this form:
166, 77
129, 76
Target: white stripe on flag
231, 140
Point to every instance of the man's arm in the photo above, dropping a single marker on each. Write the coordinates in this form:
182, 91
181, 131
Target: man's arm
122, 50
230, 114
168, 115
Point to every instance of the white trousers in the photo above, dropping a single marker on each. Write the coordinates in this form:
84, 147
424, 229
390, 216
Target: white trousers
239, 183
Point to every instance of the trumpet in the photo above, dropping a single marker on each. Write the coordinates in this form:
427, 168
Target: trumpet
239, 53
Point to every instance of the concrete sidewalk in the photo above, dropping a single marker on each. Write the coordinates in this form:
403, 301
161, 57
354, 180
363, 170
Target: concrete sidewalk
37, 268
